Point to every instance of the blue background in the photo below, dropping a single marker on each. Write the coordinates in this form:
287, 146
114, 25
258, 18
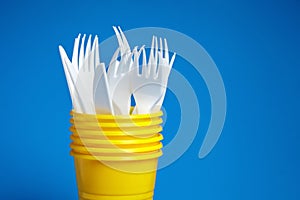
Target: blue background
256, 46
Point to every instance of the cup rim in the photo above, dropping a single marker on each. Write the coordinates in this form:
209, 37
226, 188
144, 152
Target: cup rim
151, 155
126, 132
115, 149
116, 124
116, 117
78, 139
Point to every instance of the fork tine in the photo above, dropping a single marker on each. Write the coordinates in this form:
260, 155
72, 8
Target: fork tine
172, 60
137, 58
93, 55
135, 65
124, 39
166, 50
145, 69
94, 44
133, 61
120, 42
81, 53
153, 66
88, 53
75, 51
113, 65
88, 47
97, 54
160, 51
144, 58
151, 51
156, 50
161, 47
126, 46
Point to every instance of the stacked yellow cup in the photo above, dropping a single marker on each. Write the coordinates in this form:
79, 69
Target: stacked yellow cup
116, 156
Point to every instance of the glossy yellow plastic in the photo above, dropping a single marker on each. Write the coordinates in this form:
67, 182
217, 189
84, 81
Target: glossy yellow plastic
115, 124
99, 181
116, 141
131, 117
133, 132
102, 157
115, 149
116, 156
108, 125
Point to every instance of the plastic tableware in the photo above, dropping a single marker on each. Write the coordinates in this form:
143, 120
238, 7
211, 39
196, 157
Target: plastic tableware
149, 87
86, 76
118, 80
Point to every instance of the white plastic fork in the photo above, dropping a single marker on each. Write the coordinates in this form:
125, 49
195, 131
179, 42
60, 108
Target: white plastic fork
149, 87
118, 75
164, 68
84, 80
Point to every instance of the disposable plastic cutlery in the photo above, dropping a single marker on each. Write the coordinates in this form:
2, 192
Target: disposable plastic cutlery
102, 98
71, 72
95, 91
164, 68
118, 75
86, 78
149, 87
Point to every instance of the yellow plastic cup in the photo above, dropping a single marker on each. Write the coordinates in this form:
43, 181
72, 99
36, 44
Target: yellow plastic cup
116, 156
132, 178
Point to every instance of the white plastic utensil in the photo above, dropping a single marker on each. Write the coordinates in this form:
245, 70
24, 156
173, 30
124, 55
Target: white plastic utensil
86, 78
102, 98
71, 72
93, 91
149, 87
164, 68
118, 78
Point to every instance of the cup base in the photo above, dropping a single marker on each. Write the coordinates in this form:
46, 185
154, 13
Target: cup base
99, 181
144, 196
